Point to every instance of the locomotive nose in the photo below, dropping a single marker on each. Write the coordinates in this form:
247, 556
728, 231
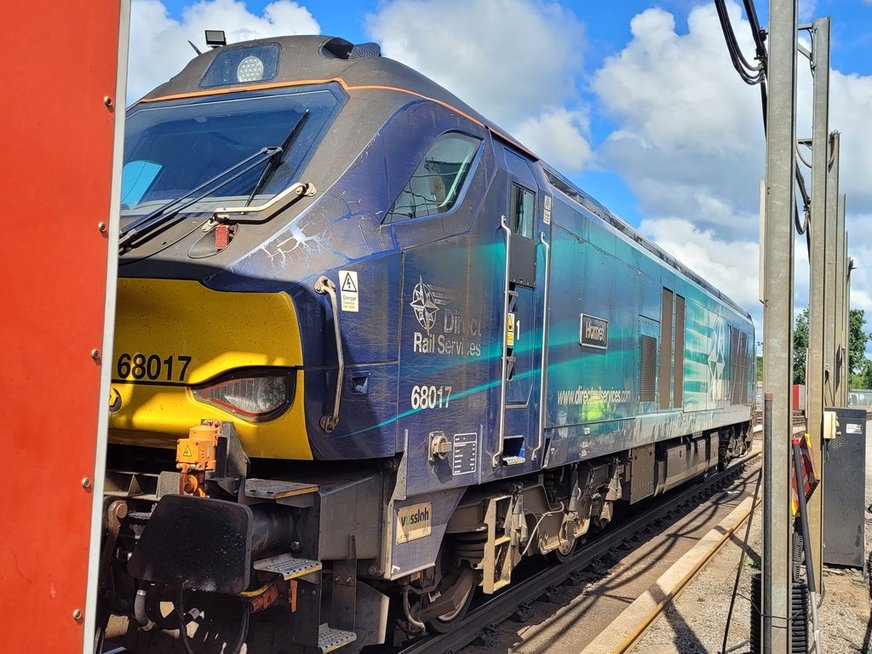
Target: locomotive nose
184, 352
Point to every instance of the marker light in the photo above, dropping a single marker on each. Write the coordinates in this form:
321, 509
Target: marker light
254, 396
249, 69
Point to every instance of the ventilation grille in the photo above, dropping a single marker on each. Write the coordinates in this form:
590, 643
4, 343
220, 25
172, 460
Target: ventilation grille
665, 347
678, 390
648, 378
738, 366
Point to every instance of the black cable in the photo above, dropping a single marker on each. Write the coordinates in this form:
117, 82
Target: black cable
752, 75
764, 102
801, 227
758, 34
741, 562
749, 73
743, 67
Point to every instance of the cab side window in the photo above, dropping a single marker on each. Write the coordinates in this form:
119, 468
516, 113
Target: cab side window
437, 182
521, 222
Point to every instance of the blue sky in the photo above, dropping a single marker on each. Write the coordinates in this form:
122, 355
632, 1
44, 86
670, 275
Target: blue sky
635, 101
852, 36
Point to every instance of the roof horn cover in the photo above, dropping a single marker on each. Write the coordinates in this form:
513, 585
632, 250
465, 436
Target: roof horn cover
337, 48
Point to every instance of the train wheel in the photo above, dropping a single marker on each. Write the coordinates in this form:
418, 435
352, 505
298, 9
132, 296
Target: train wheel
447, 621
568, 544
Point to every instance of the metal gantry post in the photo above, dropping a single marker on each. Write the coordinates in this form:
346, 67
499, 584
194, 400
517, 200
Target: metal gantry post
849, 266
831, 324
841, 316
830, 283
778, 322
816, 316
847, 314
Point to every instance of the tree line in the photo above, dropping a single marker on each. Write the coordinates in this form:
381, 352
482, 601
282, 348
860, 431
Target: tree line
860, 366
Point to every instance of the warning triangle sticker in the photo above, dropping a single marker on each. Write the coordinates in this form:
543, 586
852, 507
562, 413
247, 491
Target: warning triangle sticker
187, 451
348, 284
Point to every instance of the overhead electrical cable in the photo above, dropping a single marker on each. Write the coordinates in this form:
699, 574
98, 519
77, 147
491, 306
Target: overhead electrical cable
758, 34
750, 74
756, 75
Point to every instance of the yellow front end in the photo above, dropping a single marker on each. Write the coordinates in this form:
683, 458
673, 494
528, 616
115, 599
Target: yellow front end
175, 337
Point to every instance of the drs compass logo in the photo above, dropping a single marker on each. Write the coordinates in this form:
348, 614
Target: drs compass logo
445, 330
424, 304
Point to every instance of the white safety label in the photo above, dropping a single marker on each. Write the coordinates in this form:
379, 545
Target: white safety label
464, 454
348, 291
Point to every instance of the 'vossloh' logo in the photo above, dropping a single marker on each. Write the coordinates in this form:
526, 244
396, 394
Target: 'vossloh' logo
414, 521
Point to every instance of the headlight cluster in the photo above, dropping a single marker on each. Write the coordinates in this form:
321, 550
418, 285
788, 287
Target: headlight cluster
252, 395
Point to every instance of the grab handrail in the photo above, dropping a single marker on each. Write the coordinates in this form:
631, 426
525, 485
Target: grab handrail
325, 286
495, 461
543, 374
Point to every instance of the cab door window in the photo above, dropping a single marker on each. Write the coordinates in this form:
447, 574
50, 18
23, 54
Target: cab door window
523, 206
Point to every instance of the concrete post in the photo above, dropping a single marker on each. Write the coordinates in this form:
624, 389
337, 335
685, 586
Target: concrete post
778, 322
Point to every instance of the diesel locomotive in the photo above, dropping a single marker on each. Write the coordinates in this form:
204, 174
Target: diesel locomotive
371, 353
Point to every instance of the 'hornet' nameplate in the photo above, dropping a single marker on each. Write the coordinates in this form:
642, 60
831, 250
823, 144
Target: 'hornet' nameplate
594, 332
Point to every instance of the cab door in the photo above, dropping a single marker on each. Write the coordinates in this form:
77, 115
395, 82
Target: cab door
524, 298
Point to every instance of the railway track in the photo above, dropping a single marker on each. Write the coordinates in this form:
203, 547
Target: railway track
481, 620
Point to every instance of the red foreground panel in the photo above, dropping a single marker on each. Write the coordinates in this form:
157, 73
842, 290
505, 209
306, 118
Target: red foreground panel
57, 126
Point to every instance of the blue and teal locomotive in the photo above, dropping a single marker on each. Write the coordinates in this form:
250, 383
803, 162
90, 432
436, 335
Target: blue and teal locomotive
371, 352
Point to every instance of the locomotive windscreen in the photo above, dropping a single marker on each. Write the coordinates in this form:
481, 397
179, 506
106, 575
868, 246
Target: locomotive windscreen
173, 148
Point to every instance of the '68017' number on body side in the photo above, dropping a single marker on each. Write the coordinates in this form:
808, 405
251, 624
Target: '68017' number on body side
430, 397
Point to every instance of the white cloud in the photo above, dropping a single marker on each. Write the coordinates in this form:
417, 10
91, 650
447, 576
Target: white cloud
689, 142
860, 246
559, 132
514, 61
159, 44
807, 9
850, 109
725, 264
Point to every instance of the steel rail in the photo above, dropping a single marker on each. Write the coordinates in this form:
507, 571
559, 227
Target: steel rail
501, 607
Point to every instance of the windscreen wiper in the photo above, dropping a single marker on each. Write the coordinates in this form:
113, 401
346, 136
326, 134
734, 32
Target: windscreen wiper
276, 160
166, 212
